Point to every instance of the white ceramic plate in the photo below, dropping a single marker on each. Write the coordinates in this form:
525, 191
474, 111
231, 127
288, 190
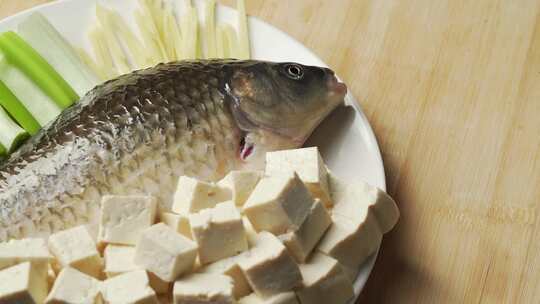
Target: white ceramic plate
345, 139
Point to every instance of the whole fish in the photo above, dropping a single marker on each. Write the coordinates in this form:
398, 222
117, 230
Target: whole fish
140, 132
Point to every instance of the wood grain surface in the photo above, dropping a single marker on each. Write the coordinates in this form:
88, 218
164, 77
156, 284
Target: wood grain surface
452, 90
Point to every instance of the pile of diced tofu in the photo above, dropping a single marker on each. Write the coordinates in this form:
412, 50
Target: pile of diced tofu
294, 234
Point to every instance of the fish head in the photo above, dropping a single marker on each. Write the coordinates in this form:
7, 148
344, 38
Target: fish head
278, 105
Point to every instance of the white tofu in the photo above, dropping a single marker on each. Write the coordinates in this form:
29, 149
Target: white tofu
308, 164
76, 248
279, 203
241, 184
23, 283
204, 288
300, 243
193, 195
178, 222
269, 268
282, 298
119, 259
251, 234
73, 286
51, 276
164, 252
158, 285
130, 287
350, 241
324, 282
351, 198
219, 232
123, 218
231, 268
25, 250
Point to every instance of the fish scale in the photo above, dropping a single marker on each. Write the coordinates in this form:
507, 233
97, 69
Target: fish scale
135, 134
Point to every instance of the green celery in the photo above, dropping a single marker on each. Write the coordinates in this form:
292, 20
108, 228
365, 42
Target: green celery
17, 110
37, 31
24, 57
11, 135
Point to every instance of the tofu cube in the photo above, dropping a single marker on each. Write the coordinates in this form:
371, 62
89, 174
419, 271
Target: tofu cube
51, 276
76, 248
300, 243
359, 195
119, 259
158, 285
351, 241
219, 232
193, 195
164, 252
25, 250
324, 282
251, 234
73, 286
123, 218
241, 184
204, 288
130, 287
308, 164
282, 298
24, 283
178, 222
280, 203
269, 268
231, 268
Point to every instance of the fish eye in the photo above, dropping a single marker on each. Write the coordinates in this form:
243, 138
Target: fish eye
294, 71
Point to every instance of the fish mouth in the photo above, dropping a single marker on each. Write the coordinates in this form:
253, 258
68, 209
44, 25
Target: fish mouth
336, 87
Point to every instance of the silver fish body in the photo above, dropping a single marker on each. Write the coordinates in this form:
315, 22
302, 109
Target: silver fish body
135, 134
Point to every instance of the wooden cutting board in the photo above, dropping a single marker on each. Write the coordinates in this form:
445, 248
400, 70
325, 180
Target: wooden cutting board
452, 90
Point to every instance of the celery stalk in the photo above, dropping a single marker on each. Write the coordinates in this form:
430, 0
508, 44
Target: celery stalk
11, 135
24, 57
49, 43
17, 110
41, 106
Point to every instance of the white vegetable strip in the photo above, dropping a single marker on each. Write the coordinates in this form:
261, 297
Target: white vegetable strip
188, 35
243, 34
44, 38
157, 13
231, 42
42, 108
221, 41
91, 63
103, 58
141, 59
171, 32
115, 49
210, 29
9, 131
147, 20
152, 47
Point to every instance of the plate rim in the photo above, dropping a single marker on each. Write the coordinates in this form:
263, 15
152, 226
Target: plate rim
360, 282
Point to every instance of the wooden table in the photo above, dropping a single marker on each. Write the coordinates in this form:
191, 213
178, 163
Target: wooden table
452, 90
